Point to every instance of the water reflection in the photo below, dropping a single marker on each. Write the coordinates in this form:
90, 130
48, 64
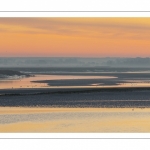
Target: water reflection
70, 81
27, 82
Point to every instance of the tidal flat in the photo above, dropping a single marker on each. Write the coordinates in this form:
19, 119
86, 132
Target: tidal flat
33, 100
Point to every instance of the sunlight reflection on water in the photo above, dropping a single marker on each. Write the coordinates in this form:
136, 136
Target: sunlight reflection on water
27, 82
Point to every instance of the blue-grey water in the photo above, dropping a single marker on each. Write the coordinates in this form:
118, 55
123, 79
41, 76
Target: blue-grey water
135, 91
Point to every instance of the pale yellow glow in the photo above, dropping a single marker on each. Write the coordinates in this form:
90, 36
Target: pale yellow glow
117, 120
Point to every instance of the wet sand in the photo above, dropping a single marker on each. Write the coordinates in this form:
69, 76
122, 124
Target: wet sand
77, 98
76, 103
113, 120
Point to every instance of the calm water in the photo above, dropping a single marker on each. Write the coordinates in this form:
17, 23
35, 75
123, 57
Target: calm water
30, 82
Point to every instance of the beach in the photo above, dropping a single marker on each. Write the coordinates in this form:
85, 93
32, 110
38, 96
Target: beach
83, 120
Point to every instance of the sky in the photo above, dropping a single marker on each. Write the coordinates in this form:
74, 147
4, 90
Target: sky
75, 37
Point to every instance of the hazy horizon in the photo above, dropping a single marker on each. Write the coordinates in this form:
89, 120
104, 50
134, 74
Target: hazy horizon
74, 62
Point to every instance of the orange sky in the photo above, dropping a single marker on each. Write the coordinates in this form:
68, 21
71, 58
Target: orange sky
75, 37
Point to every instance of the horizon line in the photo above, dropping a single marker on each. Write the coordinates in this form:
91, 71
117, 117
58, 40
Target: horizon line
65, 57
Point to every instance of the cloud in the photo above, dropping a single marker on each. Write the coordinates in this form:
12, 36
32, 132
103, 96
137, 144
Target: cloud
87, 27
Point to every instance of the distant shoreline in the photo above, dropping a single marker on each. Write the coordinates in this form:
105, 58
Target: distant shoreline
8, 73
